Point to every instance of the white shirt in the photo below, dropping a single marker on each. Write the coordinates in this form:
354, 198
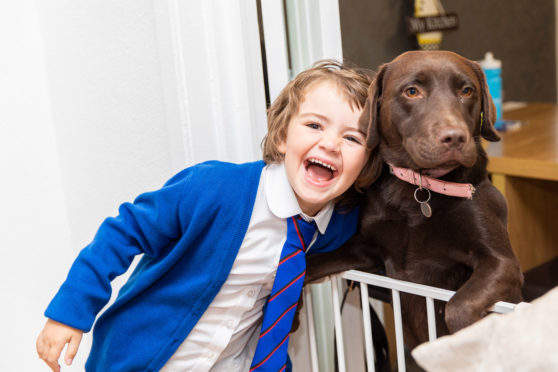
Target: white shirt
225, 337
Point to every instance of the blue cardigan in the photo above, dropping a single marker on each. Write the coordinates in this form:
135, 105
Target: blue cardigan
189, 232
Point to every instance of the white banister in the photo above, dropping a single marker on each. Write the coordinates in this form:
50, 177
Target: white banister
368, 341
431, 316
396, 286
400, 343
338, 325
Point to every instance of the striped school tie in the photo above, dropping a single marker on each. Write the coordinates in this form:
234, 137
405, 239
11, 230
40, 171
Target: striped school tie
271, 351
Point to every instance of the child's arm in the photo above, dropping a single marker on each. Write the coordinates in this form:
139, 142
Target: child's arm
52, 340
149, 226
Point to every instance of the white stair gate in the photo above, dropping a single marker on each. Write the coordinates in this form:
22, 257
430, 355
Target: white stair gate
396, 286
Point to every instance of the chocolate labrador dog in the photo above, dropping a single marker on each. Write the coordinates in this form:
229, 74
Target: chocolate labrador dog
432, 216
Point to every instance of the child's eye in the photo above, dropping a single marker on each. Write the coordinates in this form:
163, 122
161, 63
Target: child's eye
313, 126
353, 139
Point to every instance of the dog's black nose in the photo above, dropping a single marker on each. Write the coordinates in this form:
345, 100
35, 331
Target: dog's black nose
452, 137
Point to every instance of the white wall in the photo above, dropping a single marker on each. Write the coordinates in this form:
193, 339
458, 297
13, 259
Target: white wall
105, 91
90, 116
33, 223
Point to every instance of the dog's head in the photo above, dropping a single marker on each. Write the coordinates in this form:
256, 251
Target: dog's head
427, 110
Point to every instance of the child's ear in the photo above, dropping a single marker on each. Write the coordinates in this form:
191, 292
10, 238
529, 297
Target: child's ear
282, 147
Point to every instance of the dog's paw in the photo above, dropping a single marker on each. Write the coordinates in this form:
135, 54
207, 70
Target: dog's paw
459, 315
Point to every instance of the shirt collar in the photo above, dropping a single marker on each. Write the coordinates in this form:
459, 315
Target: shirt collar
281, 198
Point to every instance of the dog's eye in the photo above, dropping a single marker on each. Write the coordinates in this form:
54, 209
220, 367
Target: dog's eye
412, 92
467, 92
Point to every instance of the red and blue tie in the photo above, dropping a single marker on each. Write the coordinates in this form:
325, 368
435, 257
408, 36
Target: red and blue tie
271, 351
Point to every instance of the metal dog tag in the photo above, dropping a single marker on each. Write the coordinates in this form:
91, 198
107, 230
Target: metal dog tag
424, 206
425, 209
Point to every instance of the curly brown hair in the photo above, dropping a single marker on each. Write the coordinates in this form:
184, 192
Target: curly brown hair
353, 82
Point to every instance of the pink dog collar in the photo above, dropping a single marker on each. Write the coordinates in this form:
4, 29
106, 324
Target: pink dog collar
462, 190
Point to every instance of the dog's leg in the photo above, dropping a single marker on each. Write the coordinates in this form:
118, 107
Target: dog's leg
355, 254
494, 279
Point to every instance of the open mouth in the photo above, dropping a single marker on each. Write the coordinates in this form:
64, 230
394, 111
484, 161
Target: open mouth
320, 171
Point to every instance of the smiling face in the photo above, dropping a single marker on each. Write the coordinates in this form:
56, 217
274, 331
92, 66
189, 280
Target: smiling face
324, 150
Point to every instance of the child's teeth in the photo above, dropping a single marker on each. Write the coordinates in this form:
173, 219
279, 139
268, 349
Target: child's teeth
323, 164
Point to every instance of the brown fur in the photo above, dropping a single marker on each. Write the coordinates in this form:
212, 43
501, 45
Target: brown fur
464, 246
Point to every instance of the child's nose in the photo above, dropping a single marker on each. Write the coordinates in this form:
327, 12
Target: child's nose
330, 142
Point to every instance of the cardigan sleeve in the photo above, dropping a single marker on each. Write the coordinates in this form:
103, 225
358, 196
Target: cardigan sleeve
149, 225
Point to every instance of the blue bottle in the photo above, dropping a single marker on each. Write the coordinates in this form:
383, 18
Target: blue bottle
493, 70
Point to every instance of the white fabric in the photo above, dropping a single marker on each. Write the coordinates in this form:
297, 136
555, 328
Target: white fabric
524, 340
225, 337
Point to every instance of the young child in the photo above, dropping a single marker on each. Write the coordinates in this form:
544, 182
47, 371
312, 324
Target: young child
211, 240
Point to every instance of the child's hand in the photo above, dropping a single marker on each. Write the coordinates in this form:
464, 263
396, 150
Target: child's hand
51, 341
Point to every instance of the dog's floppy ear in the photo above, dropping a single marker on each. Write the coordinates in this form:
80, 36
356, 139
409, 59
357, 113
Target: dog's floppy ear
369, 117
369, 121
488, 116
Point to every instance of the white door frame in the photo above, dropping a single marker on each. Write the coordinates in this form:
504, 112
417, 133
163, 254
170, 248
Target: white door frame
213, 79
314, 33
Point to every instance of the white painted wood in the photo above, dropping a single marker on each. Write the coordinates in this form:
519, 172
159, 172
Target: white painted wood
368, 341
314, 32
311, 330
416, 289
396, 286
400, 343
277, 57
213, 79
431, 316
341, 365
329, 37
